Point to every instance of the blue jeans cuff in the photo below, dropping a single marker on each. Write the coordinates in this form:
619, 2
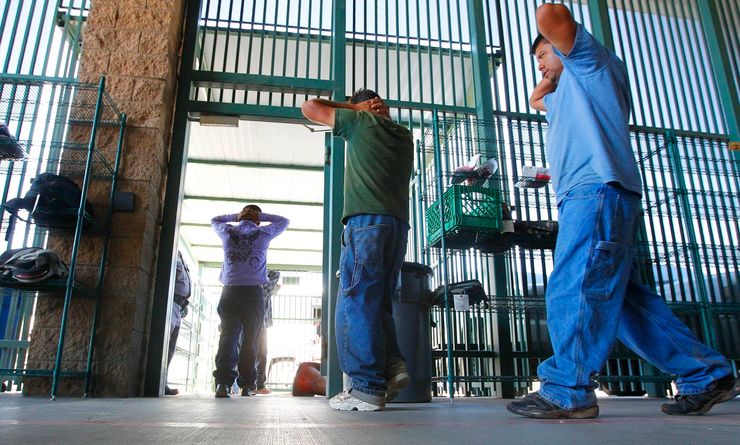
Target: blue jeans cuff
368, 395
552, 399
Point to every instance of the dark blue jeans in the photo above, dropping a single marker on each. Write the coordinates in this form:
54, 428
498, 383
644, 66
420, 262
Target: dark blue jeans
242, 313
373, 248
595, 297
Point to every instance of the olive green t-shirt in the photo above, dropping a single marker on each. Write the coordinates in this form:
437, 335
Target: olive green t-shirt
380, 157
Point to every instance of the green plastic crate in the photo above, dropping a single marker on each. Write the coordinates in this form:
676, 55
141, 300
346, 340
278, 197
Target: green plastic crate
470, 213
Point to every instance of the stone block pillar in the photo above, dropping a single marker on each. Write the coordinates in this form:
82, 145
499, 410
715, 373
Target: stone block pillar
135, 44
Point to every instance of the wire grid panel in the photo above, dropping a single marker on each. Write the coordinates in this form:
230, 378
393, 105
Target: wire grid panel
73, 154
29, 100
294, 337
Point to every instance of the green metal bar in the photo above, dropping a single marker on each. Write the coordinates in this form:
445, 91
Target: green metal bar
257, 82
76, 240
675, 159
721, 68
20, 344
260, 165
252, 112
276, 266
251, 200
484, 106
443, 256
333, 225
326, 297
104, 258
158, 327
272, 249
289, 229
600, 26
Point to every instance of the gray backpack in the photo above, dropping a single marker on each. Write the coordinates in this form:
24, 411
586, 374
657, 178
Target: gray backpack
31, 265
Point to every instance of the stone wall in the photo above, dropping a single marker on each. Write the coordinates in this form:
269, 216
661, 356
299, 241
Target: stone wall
135, 44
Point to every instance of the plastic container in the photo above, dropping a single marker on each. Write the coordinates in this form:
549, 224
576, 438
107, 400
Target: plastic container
470, 212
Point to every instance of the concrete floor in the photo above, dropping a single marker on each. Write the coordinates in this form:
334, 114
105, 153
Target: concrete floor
281, 418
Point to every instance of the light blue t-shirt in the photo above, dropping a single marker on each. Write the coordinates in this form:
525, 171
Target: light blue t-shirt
588, 139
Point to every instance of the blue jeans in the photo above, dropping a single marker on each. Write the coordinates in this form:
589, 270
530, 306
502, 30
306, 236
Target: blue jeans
373, 248
242, 312
595, 296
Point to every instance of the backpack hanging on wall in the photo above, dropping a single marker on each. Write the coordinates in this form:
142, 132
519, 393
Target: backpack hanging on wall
9, 148
52, 201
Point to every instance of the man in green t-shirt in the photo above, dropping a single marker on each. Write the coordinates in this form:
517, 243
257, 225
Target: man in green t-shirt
380, 155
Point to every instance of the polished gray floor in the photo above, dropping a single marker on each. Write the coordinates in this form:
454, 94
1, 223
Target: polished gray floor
282, 419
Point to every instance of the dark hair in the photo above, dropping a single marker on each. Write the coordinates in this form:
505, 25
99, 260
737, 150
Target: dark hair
539, 39
362, 95
253, 207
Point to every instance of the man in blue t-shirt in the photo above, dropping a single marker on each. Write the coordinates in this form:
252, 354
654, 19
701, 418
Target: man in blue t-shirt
594, 294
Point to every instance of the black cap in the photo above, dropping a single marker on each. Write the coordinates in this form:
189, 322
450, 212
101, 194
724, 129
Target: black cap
536, 42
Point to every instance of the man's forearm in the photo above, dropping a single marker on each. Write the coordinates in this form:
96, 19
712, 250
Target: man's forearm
333, 104
545, 87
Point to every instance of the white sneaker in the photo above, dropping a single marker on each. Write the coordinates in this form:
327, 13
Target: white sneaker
344, 401
396, 378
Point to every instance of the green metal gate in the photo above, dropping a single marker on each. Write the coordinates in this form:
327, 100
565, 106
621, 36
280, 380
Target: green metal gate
469, 58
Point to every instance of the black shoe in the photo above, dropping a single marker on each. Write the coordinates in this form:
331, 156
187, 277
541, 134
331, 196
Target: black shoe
222, 391
695, 404
536, 407
246, 392
171, 391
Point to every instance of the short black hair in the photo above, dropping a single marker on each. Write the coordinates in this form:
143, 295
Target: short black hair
539, 39
362, 95
253, 207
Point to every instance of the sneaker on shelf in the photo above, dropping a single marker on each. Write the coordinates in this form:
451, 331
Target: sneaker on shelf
264, 391
344, 401
246, 392
171, 391
222, 391
396, 378
724, 389
537, 407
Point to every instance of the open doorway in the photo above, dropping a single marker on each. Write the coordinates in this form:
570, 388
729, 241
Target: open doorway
280, 167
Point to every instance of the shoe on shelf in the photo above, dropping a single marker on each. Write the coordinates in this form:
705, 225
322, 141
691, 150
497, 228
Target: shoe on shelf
171, 391
537, 407
396, 378
344, 401
246, 392
265, 390
724, 389
222, 391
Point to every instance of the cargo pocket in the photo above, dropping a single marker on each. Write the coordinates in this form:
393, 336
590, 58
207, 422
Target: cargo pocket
364, 257
599, 279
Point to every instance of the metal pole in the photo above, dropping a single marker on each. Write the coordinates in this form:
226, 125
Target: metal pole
81, 215
721, 68
685, 210
336, 178
106, 246
443, 257
161, 306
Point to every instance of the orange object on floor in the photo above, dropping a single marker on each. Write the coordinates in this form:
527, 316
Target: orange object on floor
308, 380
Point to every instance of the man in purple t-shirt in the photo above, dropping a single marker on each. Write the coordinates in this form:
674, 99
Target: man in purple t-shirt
242, 308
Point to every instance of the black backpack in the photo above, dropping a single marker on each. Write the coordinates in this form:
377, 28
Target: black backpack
52, 201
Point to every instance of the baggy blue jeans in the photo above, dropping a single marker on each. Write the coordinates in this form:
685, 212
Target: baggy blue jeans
242, 313
595, 296
373, 248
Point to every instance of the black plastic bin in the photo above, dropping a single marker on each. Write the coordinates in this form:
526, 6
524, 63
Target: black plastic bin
411, 303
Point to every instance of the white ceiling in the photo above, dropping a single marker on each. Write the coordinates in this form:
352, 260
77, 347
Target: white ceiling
298, 193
